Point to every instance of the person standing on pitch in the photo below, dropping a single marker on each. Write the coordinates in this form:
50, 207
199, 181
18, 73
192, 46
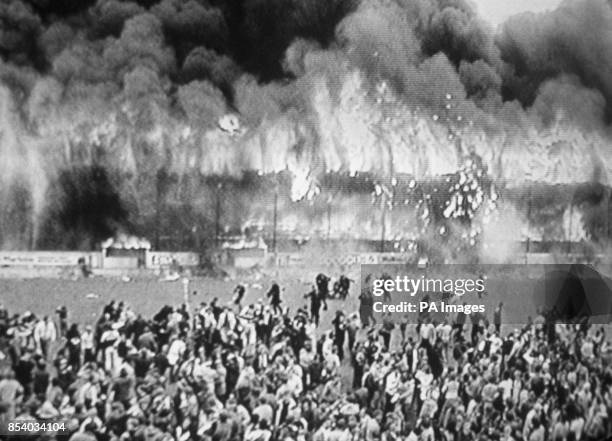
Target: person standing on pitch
366, 303
497, 314
239, 292
315, 305
275, 300
339, 333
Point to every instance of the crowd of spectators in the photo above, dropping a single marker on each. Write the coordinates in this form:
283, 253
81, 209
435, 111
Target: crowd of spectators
263, 372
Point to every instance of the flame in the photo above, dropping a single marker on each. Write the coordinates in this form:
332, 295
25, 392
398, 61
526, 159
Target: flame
303, 186
126, 242
344, 125
573, 225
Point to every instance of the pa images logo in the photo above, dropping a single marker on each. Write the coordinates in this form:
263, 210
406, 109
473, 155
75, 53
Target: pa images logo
577, 292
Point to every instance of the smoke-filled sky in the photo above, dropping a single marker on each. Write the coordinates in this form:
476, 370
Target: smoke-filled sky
498, 11
133, 90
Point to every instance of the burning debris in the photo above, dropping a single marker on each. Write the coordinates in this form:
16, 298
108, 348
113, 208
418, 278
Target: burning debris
466, 192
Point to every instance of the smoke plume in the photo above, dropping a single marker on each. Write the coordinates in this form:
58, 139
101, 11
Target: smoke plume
126, 103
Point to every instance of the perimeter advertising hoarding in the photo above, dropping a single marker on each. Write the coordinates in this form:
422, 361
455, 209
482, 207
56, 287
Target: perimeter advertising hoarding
47, 258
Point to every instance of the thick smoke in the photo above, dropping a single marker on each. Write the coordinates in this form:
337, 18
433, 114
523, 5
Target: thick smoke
138, 93
573, 40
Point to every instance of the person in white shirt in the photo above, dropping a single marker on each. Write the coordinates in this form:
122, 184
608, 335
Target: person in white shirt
44, 335
425, 378
227, 319
506, 385
450, 390
306, 359
428, 332
247, 321
392, 384
443, 334
175, 352
332, 361
496, 343
427, 433
110, 338
207, 318
328, 344
88, 392
87, 344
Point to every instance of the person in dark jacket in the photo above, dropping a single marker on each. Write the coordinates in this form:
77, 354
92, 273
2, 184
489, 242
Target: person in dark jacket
275, 299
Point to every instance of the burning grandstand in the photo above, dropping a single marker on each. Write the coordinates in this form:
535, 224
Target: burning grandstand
376, 125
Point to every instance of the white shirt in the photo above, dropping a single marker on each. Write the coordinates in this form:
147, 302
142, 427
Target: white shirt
452, 390
176, 350
428, 332
45, 331
227, 319
444, 331
425, 380
327, 347
208, 318
87, 340
506, 385
496, 344
392, 382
